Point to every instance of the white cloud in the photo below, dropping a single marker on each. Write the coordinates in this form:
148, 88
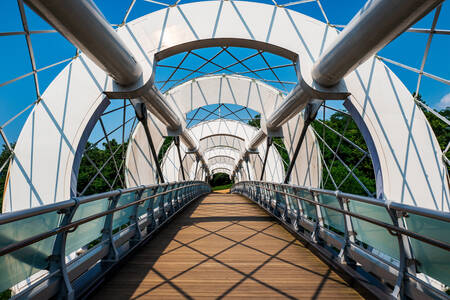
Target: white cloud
444, 102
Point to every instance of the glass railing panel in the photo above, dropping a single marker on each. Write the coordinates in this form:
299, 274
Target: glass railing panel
157, 201
122, 217
432, 261
309, 209
332, 219
372, 235
21, 264
142, 209
293, 203
87, 234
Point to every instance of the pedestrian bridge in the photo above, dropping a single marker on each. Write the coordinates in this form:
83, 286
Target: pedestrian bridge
337, 167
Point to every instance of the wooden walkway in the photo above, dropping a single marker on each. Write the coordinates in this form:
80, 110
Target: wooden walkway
224, 246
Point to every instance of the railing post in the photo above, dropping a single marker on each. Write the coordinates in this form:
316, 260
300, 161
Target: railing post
134, 218
301, 211
57, 261
150, 212
349, 234
162, 203
319, 219
284, 214
171, 207
406, 258
107, 231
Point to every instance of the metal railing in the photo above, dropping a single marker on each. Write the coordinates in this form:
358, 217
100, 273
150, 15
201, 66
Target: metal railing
64, 249
404, 246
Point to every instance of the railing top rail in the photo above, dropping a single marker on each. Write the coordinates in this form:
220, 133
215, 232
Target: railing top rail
393, 229
425, 212
36, 238
34, 211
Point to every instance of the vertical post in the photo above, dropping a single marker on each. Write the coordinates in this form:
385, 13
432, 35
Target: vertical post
177, 143
150, 211
309, 116
349, 234
134, 218
58, 257
319, 221
248, 169
296, 152
197, 159
269, 143
141, 114
406, 259
107, 232
301, 212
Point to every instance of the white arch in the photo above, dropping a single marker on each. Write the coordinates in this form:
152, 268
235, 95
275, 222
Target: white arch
48, 150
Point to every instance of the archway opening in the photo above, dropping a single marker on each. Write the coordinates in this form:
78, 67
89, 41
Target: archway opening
220, 181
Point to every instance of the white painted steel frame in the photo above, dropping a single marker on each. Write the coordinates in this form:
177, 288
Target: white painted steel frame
411, 174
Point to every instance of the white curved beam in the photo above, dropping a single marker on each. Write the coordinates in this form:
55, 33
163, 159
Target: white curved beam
408, 166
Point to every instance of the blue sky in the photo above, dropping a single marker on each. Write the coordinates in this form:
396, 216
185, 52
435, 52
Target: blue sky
50, 48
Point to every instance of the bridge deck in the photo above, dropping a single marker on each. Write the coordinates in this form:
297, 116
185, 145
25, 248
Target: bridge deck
224, 246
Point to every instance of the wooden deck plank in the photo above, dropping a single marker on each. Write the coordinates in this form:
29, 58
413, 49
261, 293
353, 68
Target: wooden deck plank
224, 246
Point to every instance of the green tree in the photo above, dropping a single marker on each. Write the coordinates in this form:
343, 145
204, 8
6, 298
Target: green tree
100, 156
440, 129
165, 146
4, 157
349, 154
220, 179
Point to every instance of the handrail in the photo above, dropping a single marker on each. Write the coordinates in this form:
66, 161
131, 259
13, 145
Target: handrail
139, 227
422, 211
391, 228
39, 237
34, 211
320, 228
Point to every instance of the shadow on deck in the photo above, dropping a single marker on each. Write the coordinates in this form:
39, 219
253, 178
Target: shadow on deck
224, 246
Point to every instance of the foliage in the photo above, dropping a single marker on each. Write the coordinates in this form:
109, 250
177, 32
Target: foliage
337, 121
348, 153
165, 146
6, 294
222, 187
219, 179
256, 121
4, 157
441, 130
100, 156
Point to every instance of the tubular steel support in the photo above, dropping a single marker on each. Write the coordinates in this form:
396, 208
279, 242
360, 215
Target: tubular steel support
177, 144
248, 169
58, 257
269, 143
107, 232
310, 115
82, 23
141, 114
196, 167
377, 23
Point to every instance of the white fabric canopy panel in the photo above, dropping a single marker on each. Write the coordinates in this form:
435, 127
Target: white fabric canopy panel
227, 131
48, 150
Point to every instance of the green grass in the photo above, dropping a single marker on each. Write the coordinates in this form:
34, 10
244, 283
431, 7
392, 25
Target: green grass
222, 187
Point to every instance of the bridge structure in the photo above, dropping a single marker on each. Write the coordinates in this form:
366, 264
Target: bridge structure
340, 182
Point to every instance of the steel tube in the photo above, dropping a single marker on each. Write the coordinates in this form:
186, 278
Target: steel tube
256, 140
83, 25
81, 22
156, 103
373, 27
295, 102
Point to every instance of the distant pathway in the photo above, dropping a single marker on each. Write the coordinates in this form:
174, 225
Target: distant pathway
224, 246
